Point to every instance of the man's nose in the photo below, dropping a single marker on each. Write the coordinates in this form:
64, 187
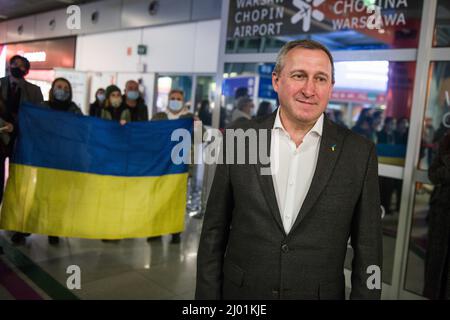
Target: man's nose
309, 88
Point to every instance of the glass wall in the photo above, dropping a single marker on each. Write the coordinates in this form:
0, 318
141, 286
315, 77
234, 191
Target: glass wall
427, 271
442, 29
437, 112
419, 240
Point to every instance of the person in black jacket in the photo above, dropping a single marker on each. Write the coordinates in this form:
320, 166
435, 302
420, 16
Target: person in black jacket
437, 272
60, 97
134, 103
271, 233
95, 108
265, 108
15, 90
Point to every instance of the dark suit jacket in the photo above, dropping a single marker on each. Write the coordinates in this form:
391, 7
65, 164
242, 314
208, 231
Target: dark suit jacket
29, 92
244, 252
437, 262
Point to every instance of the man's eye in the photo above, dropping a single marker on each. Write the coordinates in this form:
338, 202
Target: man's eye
299, 76
321, 79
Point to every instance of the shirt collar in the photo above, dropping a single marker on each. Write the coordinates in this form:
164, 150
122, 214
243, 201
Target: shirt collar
317, 128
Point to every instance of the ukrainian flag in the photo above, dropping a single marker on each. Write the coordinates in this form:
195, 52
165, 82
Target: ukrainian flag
76, 176
393, 154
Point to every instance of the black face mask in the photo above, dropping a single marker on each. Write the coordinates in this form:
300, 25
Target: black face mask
17, 72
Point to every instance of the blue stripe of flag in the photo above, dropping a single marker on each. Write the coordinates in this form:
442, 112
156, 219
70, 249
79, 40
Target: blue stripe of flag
66, 141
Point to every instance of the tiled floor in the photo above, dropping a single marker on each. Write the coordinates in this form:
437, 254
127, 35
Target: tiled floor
135, 268
4, 294
127, 269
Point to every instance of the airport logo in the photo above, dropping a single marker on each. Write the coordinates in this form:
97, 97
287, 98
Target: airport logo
306, 11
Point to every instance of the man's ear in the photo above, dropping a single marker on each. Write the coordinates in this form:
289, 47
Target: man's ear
331, 91
275, 81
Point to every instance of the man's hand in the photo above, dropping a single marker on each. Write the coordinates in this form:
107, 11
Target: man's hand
7, 128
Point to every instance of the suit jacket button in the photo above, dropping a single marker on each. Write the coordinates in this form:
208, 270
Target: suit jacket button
285, 248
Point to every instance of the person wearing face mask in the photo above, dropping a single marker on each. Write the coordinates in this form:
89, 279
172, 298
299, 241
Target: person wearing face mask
114, 108
95, 108
175, 107
15, 90
134, 102
175, 110
60, 97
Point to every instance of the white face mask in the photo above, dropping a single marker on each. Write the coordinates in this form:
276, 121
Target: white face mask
101, 97
175, 105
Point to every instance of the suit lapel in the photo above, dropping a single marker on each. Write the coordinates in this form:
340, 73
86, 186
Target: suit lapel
266, 181
329, 150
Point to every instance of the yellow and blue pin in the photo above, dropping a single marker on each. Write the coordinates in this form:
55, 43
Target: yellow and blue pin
333, 147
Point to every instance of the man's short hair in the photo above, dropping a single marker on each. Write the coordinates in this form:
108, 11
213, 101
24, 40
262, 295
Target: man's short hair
242, 102
131, 81
176, 91
305, 44
24, 60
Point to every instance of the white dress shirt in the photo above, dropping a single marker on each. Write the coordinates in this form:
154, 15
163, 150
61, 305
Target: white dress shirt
293, 168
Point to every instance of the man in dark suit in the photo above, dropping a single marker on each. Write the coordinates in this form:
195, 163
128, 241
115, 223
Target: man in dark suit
15, 90
284, 235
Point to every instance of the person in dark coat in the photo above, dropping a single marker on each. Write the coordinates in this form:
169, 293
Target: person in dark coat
204, 113
5, 129
265, 108
437, 275
60, 97
95, 108
15, 90
387, 134
266, 233
134, 102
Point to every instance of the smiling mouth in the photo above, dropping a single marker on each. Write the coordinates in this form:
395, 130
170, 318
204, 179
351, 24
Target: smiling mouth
306, 102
